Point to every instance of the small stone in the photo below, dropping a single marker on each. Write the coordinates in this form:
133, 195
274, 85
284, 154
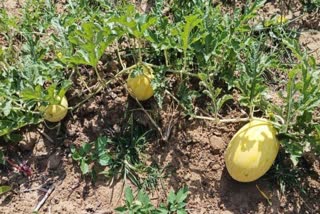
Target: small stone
78, 196
187, 177
215, 166
217, 144
40, 149
118, 100
54, 161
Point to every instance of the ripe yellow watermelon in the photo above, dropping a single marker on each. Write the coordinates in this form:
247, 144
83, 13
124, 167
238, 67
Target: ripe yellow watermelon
140, 86
252, 151
55, 112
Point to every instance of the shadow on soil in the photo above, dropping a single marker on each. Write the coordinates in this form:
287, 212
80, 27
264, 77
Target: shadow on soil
200, 165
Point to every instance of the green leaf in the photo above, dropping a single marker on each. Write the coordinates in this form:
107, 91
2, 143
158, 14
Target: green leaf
181, 212
84, 167
192, 21
222, 100
143, 198
4, 189
162, 210
32, 93
295, 159
294, 47
182, 194
75, 155
202, 76
171, 197
7, 108
101, 143
85, 149
121, 210
64, 87
90, 40
135, 23
104, 159
129, 195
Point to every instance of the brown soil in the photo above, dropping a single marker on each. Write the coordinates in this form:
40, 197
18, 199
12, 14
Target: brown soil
311, 41
192, 156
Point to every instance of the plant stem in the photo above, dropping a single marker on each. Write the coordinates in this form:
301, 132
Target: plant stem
119, 57
251, 111
289, 105
140, 54
102, 87
98, 75
173, 71
24, 110
151, 119
184, 72
166, 57
216, 120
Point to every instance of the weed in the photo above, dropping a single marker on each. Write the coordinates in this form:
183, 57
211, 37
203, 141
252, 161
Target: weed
196, 42
141, 203
311, 5
120, 156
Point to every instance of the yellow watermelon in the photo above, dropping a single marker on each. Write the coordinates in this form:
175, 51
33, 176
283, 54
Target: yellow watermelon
252, 151
140, 86
55, 112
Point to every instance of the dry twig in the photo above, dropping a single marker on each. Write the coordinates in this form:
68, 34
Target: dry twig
45, 197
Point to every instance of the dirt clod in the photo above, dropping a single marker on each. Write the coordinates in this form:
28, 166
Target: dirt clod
29, 140
216, 143
40, 149
54, 161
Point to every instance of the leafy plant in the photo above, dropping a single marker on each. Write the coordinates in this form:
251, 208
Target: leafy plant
300, 130
90, 41
213, 93
133, 23
92, 153
251, 81
25, 67
119, 156
311, 5
141, 203
175, 202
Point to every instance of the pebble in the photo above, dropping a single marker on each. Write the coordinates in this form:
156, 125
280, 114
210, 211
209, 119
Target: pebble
54, 161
